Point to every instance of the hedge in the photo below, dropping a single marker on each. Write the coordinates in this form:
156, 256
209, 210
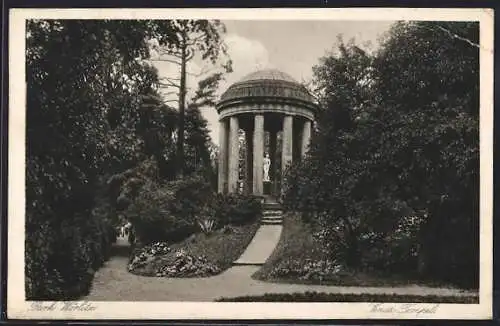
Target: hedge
337, 297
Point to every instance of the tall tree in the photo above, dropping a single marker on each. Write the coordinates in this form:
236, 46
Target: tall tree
436, 100
410, 148
197, 141
342, 84
197, 133
83, 81
196, 39
157, 128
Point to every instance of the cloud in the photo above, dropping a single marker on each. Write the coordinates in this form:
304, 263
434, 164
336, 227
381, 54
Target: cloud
247, 56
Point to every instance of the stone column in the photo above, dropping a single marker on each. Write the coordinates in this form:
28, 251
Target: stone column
287, 152
222, 182
249, 161
272, 156
258, 155
233, 155
306, 137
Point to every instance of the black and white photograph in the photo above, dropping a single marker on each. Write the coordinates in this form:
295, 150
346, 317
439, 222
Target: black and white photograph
231, 164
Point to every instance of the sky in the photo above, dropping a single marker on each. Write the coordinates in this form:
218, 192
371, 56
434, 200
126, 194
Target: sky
293, 47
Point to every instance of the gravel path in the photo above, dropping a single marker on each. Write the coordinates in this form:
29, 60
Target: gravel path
113, 283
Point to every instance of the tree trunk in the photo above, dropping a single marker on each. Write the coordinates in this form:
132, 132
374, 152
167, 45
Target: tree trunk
182, 104
428, 255
352, 257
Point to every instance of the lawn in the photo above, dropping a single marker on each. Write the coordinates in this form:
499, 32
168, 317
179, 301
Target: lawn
337, 297
218, 249
296, 243
297, 249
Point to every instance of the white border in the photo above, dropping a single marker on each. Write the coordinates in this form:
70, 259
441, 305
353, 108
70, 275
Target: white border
17, 307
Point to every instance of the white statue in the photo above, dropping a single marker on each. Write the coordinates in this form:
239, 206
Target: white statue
267, 164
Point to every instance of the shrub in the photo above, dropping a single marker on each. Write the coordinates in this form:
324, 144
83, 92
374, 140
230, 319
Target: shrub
124, 187
403, 245
168, 212
236, 209
331, 240
206, 225
66, 240
190, 195
61, 257
152, 218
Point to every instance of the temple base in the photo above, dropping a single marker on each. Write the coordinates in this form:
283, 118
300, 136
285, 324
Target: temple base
267, 187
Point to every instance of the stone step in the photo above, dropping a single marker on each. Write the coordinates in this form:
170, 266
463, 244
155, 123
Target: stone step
237, 263
272, 218
270, 213
271, 203
271, 222
271, 206
272, 209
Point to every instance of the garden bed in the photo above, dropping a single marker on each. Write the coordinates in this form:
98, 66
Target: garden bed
200, 255
299, 259
337, 297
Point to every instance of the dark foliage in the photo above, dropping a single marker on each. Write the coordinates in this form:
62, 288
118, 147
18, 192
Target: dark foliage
168, 212
236, 209
394, 183
92, 96
75, 87
197, 153
334, 297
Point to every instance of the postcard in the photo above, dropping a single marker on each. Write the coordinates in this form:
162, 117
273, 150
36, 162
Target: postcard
250, 163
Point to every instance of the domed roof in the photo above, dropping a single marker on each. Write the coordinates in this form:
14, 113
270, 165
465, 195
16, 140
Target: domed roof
268, 74
266, 85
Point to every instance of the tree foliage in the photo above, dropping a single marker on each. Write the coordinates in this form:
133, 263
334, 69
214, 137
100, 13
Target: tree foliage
85, 81
198, 142
94, 97
403, 143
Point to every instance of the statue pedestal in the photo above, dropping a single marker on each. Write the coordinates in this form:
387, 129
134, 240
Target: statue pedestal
267, 187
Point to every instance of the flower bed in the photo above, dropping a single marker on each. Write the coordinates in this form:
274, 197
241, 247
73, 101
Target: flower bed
145, 255
309, 269
186, 265
200, 255
178, 263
